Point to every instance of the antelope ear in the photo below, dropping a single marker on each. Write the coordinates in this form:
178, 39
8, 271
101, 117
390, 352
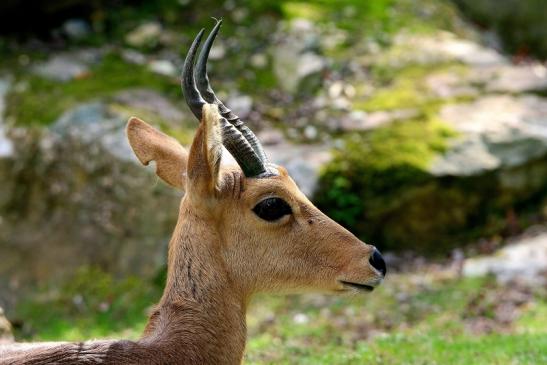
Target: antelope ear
205, 154
149, 144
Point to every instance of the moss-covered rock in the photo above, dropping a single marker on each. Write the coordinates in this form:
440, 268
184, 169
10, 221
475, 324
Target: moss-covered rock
357, 186
38, 100
379, 184
65, 202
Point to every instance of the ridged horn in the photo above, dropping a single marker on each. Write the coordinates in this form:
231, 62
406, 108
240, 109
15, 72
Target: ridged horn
191, 94
204, 87
236, 142
241, 149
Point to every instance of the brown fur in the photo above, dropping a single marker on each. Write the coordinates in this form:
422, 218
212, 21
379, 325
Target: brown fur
220, 254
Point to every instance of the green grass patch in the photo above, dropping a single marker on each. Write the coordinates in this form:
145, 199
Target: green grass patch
91, 305
400, 323
414, 318
434, 348
41, 101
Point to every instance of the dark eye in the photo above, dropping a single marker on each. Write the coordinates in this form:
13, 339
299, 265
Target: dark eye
271, 209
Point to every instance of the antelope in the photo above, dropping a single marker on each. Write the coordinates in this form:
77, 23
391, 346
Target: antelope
241, 230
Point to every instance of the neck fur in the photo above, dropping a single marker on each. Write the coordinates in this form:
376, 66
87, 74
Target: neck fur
201, 314
200, 318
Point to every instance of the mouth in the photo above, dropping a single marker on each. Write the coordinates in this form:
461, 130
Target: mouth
357, 286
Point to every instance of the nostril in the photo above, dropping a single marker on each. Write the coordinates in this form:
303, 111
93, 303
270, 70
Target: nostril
377, 262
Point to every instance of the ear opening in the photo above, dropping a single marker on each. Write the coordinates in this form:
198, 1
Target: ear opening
206, 152
149, 144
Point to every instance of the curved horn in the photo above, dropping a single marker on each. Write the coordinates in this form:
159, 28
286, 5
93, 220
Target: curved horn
208, 94
233, 139
241, 149
188, 84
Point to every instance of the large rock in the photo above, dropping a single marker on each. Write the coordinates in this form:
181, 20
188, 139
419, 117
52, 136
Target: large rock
303, 162
409, 48
145, 35
69, 65
495, 132
144, 101
96, 123
524, 260
73, 196
428, 186
512, 78
294, 57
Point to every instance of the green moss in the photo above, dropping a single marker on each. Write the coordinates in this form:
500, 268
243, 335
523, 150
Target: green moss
379, 162
41, 101
304, 10
407, 87
379, 186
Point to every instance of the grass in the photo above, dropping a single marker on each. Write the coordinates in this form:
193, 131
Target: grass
414, 318
434, 348
41, 101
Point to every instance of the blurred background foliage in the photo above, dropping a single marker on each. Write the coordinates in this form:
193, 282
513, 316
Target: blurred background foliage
418, 124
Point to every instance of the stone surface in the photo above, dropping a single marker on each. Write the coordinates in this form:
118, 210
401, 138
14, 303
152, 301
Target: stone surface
76, 28
150, 103
240, 104
6, 335
87, 201
68, 65
96, 123
441, 47
163, 67
6, 145
302, 161
293, 59
513, 78
495, 132
62, 68
270, 136
450, 85
362, 121
525, 259
259, 60
132, 56
145, 35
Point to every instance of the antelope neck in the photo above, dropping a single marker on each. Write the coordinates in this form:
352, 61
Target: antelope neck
201, 316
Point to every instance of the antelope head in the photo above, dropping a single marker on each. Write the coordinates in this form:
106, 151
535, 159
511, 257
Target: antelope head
241, 230
248, 223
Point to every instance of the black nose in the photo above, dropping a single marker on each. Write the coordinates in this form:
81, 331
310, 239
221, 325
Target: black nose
377, 262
